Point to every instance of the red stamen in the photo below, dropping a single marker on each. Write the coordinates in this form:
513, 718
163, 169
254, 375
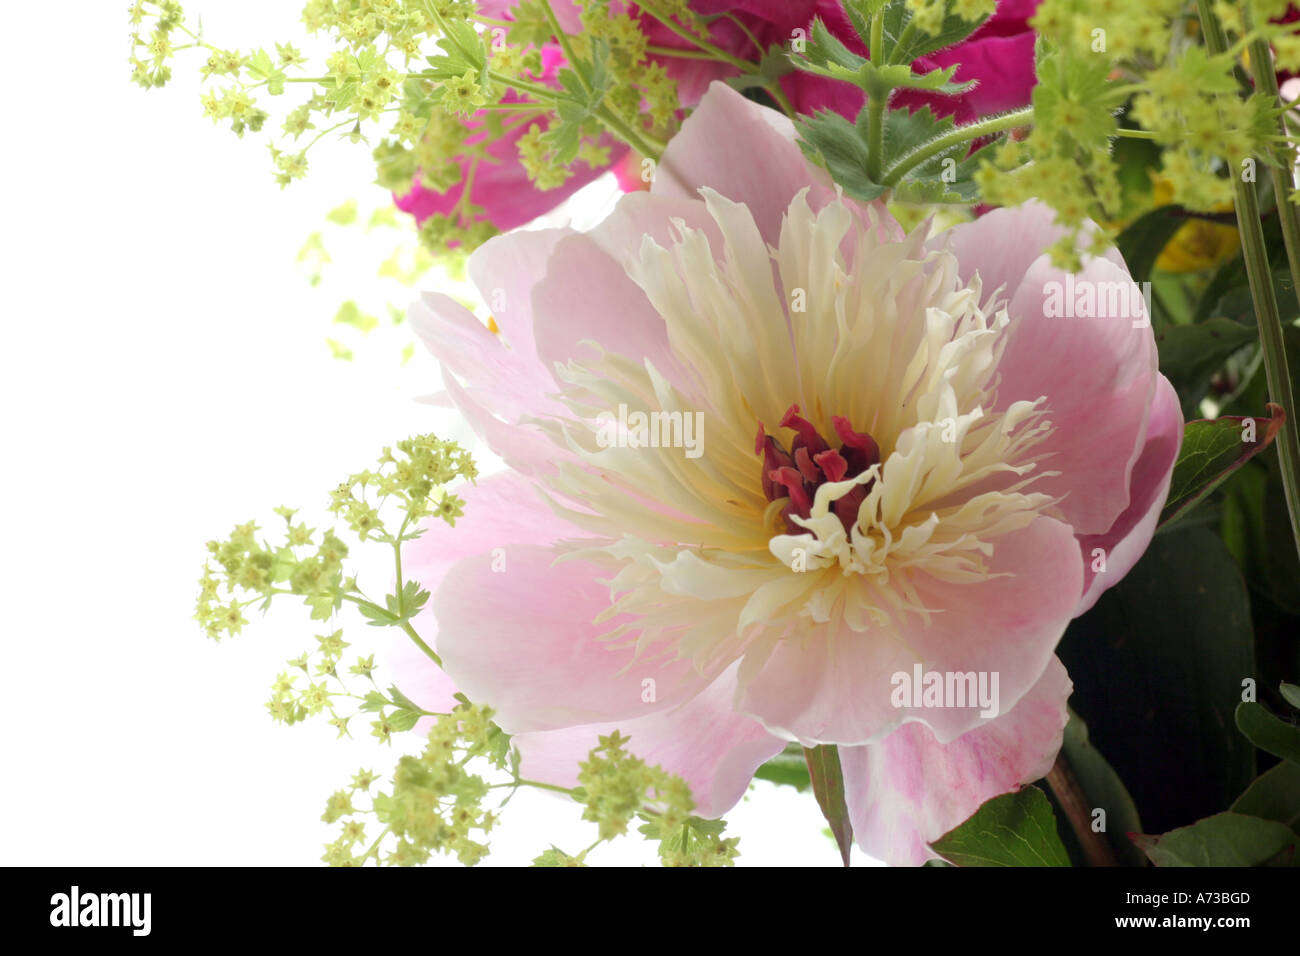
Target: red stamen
832, 463
807, 432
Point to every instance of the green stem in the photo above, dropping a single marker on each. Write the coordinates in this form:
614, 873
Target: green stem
877, 100
955, 137
642, 142
1258, 274
1135, 133
405, 626
565, 44
904, 39
718, 53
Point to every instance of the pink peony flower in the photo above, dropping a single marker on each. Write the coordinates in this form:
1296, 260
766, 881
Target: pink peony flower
999, 57
501, 186
897, 459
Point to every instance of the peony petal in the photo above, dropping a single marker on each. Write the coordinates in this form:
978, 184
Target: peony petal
704, 741
747, 154
1127, 539
501, 512
607, 306
1002, 244
525, 642
908, 790
1098, 374
838, 687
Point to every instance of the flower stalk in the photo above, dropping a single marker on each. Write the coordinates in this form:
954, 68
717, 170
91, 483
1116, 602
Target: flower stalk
1259, 277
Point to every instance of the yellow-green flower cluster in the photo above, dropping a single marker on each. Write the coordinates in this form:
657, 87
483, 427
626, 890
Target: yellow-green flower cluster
435, 802
1097, 57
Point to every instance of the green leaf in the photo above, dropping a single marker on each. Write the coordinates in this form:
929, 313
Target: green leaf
1143, 239
828, 787
1212, 450
1191, 354
1269, 732
1225, 839
1291, 694
843, 149
557, 857
374, 702
1273, 795
788, 768
1157, 666
953, 30
403, 719
1015, 829
401, 700
1103, 789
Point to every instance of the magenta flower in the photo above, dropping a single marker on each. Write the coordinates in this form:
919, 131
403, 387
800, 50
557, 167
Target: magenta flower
999, 57
863, 454
500, 185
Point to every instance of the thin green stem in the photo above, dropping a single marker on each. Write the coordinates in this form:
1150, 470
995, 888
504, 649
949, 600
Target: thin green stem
877, 100
1258, 275
1135, 133
718, 52
955, 137
901, 46
642, 142
565, 44
877, 41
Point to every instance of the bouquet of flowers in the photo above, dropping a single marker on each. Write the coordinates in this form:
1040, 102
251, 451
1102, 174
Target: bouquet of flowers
916, 430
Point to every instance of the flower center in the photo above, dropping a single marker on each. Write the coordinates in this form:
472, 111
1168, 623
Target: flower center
796, 474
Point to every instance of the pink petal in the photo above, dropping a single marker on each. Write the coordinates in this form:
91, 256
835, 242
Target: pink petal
746, 153
1127, 539
837, 687
908, 790
607, 306
525, 642
1099, 376
704, 741
501, 512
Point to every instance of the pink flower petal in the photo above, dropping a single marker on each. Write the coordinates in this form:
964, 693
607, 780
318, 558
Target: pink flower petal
837, 687
1127, 539
525, 642
746, 153
501, 512
908, 790
1099, 375
704, 741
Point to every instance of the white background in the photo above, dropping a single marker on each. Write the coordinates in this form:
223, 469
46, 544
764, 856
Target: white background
164, 375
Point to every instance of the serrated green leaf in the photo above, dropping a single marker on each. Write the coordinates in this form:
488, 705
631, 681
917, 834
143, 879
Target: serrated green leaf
401, 700
1015, 829
1225, 839
1269, 732
374, 702
403, 719
1211, 451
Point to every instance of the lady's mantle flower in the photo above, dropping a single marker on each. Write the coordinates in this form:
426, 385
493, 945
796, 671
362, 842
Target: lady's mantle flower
900, 454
